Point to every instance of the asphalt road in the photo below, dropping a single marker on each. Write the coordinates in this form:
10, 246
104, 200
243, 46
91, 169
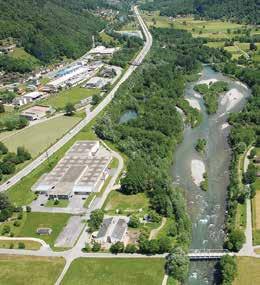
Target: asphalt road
43, 157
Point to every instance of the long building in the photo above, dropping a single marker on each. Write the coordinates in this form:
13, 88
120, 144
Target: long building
82, 170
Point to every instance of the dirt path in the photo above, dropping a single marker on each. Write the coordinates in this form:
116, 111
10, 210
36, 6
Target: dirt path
154, 232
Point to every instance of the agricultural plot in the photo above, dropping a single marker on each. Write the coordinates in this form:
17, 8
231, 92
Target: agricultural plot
248, 271
18, 270
112, 271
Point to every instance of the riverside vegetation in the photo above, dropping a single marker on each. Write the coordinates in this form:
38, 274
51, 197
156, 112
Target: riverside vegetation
148, 140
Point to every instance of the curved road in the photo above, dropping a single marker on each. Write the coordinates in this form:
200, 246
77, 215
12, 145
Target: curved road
43, 157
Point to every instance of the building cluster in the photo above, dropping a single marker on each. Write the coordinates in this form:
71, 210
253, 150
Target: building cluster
82, 170
37, 112
27, 98
112, 230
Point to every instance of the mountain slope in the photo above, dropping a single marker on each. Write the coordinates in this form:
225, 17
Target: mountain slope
49, 29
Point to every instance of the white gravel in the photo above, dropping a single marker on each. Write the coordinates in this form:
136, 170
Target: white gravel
208, 81
231, 99
197, 171
193, 103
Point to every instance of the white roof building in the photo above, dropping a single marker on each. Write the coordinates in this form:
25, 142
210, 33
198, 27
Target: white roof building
101, 50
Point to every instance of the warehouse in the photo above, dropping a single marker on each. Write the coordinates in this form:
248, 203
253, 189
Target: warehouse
37, 112
83, 170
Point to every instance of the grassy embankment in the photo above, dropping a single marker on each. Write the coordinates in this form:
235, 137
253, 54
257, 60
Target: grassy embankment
31, 245
18, 270
115, 271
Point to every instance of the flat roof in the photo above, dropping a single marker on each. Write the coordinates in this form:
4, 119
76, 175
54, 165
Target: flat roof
83, 165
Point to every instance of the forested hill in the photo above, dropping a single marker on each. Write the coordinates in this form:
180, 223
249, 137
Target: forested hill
247, 11
49, 29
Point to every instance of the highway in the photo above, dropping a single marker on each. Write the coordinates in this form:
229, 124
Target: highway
44, 156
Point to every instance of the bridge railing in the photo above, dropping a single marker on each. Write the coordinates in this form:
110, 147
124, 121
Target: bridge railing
206, 250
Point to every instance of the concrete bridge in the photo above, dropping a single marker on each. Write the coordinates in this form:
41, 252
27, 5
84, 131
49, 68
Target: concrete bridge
206, 254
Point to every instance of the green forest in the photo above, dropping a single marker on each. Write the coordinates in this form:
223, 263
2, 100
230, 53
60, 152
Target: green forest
48, 30
211, 9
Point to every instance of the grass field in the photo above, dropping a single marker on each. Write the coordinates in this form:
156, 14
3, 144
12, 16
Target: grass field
73, 95
31, 245
256, 218
110, 271
126, 203
41, 136
61, 203
20, 53
37, 220
20, 270
248, 271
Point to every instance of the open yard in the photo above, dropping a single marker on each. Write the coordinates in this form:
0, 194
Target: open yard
20, 53
73, 95
110, 271
20, 270
248, 271
31, 245
126, 203
41, 136
43, 220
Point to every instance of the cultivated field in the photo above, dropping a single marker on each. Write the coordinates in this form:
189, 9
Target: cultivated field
41, 136
73, 95
248, 271
20, 270
110, 271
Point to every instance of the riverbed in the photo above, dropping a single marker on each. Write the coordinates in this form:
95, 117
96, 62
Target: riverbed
207, 209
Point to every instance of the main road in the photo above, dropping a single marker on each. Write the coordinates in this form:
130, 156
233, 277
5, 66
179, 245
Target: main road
44, 156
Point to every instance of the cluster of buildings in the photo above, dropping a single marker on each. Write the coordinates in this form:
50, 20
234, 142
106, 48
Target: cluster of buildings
27, 98
37, 112
82, 170
112, 230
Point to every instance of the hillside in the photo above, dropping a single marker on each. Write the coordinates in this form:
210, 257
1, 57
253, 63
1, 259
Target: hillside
49, 29
246, 11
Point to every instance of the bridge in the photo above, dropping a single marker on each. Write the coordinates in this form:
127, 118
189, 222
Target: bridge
206, 254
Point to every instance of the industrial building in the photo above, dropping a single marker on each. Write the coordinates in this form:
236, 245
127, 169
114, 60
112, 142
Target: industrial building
97, 82
102, 51
83, 170
37, 112
27, 98
112, 230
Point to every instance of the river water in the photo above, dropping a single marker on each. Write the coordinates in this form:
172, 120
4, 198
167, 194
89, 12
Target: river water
207, 209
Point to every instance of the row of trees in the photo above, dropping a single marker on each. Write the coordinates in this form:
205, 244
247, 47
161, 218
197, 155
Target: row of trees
15, 122
9, 160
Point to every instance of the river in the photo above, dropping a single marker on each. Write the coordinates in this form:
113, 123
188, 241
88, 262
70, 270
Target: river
207, 209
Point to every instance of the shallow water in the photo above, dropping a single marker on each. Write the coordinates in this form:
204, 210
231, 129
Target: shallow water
128, 116
207, 209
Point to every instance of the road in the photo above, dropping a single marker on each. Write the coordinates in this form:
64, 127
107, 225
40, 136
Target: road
247, 248
43, 157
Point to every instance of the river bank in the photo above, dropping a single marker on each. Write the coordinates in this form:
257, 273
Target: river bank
207, 209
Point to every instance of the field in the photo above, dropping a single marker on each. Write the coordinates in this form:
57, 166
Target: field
40, 136
256, 218
126, 203
73, 95
36, 220
31, 245
20, 53
20, 270
248, 271
115, 271
215, 31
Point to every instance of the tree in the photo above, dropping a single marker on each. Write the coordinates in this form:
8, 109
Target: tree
228, 269
130, 248
6, 229
23, 154
253, 46
28, 209
96, 99
7, 167
250, 175
69, 109
21, 245
117, 247
3, 149
134, 222
96, 218
165, 244
96, 246
177, 264
154, 217
236, 239
2, 108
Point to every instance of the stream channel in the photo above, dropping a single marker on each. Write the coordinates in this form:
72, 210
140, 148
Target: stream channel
207, 209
